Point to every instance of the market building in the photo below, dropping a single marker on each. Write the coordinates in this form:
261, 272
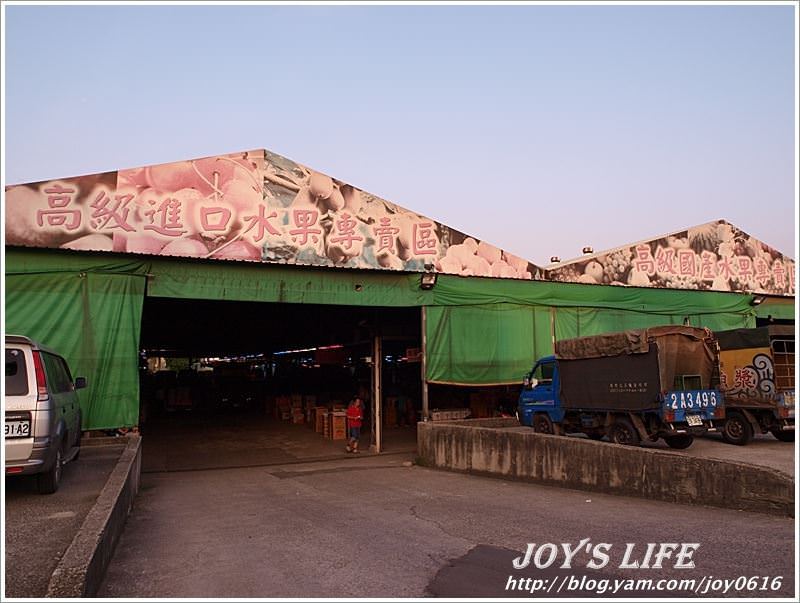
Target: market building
260, 282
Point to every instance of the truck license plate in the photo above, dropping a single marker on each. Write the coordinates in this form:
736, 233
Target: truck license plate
18, 429
694, 420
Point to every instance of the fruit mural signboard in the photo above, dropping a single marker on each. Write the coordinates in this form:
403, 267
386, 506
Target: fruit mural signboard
252, 206
714, 256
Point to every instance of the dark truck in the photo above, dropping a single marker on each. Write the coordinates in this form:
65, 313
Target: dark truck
632, 386
758, 381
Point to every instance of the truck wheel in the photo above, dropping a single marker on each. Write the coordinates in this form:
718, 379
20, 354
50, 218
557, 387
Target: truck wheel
679, 442
623, 432
737, 429
48, 482
543, 424
783, 436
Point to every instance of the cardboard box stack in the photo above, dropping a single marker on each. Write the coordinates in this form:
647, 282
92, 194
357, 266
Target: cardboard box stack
283, 408
319, 419
338, 425
326, 429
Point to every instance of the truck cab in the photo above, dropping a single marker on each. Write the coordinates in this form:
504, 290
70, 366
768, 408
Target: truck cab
539, 397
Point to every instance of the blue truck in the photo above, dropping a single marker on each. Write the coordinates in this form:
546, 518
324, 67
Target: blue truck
632, 386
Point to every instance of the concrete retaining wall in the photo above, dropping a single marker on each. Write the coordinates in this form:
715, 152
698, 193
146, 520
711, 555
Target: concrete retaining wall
84, 564
485, 447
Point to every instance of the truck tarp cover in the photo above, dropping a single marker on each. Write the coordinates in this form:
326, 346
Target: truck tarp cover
742, 339
628, 370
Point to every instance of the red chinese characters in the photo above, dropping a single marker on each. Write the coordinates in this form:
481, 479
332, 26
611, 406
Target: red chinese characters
778, 274
665, 260
215, 219
345, 229
762, 271
687, 265
58, 199
386, 235
423, 239
744, 378
108, 214
304, 221
725, 267
261, 224
745, 266
165, 218
644, 260
708, 265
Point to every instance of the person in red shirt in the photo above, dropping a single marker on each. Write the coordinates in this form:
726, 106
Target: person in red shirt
355, 413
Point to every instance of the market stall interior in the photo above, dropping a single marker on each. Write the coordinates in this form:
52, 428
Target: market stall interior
237, 383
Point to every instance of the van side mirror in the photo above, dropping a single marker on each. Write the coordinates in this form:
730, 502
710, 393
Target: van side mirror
80, 382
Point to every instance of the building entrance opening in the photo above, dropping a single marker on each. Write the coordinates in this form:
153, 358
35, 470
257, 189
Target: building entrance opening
228, 383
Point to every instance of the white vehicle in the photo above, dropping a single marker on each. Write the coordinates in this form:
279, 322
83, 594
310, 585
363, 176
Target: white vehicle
42, 413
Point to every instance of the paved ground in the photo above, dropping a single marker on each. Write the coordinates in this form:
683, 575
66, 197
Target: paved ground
39, 528
371, 527
184, 441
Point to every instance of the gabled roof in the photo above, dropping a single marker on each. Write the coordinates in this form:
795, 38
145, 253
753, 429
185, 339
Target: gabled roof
250, 206
712, 256
259, 206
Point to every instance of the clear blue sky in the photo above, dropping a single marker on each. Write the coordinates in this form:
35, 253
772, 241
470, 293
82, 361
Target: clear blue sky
538, 128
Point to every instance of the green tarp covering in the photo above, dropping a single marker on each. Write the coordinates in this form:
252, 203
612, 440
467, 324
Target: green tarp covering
479, 330
490, 344
490, 331
94, 320
192, 279
779, 308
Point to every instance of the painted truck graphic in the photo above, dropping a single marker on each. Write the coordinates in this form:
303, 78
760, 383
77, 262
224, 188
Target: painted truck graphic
758, 379
632, 386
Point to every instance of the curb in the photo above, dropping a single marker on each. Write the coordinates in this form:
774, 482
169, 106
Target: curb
491, 449
84, 564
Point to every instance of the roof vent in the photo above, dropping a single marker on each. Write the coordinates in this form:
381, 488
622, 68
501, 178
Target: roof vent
555, 259
588, 250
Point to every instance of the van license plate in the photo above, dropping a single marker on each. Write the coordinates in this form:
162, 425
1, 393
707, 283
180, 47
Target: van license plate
694, 420
18, 429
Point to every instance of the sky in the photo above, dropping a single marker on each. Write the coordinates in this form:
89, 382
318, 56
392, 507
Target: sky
539, 128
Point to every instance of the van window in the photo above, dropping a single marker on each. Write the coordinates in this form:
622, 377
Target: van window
58, 378
16, 373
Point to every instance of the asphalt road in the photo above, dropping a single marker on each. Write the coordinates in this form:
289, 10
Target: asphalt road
371, 527
39, 528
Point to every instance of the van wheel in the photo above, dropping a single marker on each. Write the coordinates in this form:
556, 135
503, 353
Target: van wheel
737, 429
48, 482
679, 442
783, 436
623, 432
543, 424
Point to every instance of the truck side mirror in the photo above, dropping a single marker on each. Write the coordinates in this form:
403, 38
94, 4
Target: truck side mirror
80, 382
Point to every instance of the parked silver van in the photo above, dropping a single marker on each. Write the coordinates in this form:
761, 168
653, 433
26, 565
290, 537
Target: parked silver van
42, 413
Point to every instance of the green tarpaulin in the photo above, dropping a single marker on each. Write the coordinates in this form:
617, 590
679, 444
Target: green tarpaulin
488, 344
479, 330
94, 320
490, 331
